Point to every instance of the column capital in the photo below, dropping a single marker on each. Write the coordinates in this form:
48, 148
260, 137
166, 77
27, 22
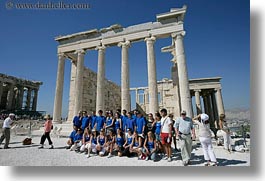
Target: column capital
101, 48
61, 55
81, 51
151, 39
197, 90
178, 34
126, 44
218, 89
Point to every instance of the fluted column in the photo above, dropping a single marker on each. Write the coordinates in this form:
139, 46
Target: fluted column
175, 78
152, 82
20, 97
79, 81
219, 101
35, 98
71, 105
198, 101
184, 90
57, 109
136, 96
28, 99
10, 97
100, 105
1, 90
125, 81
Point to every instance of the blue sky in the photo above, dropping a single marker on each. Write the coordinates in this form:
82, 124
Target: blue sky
217, 43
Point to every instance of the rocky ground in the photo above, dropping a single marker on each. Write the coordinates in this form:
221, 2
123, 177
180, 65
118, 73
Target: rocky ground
20, 155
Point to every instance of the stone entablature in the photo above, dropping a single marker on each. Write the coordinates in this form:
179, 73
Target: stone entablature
18, 94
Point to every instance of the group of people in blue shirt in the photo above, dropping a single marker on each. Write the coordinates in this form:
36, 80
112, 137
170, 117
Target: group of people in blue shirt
121, 134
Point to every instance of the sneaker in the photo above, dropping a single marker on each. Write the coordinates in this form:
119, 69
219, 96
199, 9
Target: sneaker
41, 147
51, 147
67, 147
109, 155
165, 157
88, 155
169, 159
185, 163
146, 159
213, 164
207, 164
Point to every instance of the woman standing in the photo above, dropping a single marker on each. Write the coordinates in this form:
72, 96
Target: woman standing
109, 122
47, 130
117, 122
205, 139
225, 132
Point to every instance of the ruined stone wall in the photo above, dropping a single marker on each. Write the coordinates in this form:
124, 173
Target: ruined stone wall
112, 93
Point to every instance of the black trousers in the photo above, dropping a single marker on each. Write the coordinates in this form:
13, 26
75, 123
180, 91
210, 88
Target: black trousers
43, 138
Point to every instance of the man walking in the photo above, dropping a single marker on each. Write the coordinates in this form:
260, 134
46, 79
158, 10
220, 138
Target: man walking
6, 130
184, 127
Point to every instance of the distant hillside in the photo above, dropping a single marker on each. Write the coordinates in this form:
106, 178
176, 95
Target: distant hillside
239, 114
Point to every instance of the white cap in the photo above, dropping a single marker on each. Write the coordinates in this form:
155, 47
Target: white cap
11, 114
204, 117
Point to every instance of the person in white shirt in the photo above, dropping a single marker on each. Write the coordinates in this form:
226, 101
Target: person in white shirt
6, 130
166, 134
205, 136
183, 127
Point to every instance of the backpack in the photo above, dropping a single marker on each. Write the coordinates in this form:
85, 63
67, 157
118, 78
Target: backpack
27, 141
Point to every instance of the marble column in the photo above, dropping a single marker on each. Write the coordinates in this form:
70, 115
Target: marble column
72, 92
215, 112
152, 82
20, 97
1, 91
35, 98
205, 104
210, 111
198, 101
175, 78
10, 97
79, 81
58, 99
125, 81
136, 96
219, 101
28, 99
100, 103
184, 90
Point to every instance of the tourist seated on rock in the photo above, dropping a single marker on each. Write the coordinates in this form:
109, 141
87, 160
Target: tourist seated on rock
119, 141
128, 143
136, 145
149, 148
110, 143
77, 141
92, 144
70, 141
101, 143
86, 140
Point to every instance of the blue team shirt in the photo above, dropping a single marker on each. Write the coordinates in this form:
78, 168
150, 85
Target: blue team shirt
78, 137
117, 125
85, 122
72, 135
100, 122
93, 121
158, 127
130, 123
140, 122
123, 121
77, 122
109, 121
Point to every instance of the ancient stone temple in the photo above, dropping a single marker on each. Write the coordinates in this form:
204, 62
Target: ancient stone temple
75, 46
206, 92
18, 94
